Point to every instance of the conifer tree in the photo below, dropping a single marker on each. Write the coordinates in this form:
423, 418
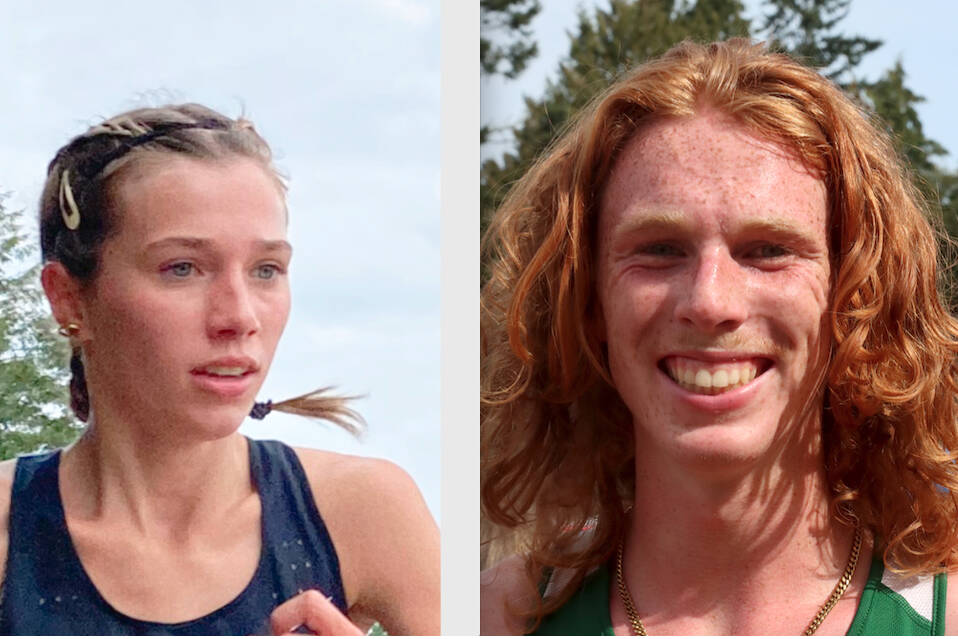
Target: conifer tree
34, 397
513, 18
610, 39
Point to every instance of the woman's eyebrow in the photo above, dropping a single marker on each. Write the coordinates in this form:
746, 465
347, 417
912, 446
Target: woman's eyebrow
199, 243
275, 245
182, 242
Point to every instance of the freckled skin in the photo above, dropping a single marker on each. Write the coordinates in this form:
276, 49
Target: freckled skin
149, 328
711, 239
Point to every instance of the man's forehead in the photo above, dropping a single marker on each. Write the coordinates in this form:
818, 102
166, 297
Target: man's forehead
677, 164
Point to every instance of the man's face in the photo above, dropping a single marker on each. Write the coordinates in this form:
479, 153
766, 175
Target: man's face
712, 277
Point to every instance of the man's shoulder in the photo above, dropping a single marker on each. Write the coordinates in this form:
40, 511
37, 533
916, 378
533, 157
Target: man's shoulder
951, 604
503, 590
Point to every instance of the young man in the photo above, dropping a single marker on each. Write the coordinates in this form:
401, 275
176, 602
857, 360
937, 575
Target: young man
719, 385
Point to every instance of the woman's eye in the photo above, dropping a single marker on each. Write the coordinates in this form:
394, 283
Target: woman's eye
267, 271
180, 269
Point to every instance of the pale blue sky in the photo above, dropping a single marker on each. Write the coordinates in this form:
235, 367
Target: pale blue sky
920, 32
347, 94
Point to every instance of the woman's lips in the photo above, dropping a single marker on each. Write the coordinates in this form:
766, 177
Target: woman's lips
713, 377
226, 384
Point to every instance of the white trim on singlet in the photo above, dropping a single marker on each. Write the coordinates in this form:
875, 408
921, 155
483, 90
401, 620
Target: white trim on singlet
919, 592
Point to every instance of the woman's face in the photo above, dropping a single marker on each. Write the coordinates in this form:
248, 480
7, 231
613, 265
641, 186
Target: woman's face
191, 296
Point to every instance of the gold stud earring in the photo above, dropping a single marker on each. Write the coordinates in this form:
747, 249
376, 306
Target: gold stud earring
69, 330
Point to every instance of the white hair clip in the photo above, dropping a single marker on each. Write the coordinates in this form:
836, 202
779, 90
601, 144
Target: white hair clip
72, 217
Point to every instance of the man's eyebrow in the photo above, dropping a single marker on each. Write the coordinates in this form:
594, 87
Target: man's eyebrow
774, 226
645, 220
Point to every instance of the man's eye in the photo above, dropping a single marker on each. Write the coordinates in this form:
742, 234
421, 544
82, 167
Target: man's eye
769, 251
660, 249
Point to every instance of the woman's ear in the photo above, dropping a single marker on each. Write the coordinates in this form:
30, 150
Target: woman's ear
63, 293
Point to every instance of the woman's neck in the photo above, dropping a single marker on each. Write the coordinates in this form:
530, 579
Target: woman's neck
160, 487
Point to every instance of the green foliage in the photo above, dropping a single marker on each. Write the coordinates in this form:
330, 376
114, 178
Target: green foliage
805, 29
607, 41
512, 17
33, 379
895, 103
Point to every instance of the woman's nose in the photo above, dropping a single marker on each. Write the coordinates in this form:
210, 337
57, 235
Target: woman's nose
231, 309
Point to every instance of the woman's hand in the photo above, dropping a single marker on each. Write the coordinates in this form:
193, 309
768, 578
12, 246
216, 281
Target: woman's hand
313, 612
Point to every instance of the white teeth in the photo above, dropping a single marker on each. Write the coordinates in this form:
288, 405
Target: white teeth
701, 380
225, 371
720, 379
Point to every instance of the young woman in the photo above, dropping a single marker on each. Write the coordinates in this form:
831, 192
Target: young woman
164, 240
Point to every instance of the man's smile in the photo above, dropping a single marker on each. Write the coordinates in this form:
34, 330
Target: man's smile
713, 377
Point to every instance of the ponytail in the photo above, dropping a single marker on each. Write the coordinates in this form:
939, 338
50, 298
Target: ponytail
79, 397
317, 404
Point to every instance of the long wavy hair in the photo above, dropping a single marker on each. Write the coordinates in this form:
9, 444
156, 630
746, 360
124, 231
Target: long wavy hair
557, 441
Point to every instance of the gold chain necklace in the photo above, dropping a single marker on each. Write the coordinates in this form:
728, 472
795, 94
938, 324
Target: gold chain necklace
638, 629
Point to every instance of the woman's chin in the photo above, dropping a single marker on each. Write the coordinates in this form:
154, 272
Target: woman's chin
209, 423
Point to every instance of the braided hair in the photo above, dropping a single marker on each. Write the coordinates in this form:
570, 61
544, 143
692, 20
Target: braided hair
77, 213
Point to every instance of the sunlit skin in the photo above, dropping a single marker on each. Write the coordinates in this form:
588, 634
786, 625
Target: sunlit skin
713, 256
178, 329
712, 253
196, 274
193, 276
712, 260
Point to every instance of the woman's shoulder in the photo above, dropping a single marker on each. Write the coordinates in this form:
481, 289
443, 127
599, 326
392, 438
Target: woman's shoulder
363, 497
7, 469
337, 477
386, 539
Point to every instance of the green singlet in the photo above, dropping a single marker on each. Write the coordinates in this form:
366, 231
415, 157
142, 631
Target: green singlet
890, 605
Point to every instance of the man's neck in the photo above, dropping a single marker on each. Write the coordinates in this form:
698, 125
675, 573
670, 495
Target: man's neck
718, 554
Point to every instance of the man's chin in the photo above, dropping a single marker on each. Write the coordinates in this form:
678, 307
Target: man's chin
720, 450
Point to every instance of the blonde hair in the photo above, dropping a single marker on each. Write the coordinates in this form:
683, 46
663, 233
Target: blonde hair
557, 441
78, 210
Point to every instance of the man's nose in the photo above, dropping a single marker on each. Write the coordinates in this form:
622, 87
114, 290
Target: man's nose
231, 310
715, 299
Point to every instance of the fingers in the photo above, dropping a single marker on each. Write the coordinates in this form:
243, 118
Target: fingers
312, 611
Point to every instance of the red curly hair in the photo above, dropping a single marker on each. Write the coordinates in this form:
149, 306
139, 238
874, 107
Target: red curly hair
557, 441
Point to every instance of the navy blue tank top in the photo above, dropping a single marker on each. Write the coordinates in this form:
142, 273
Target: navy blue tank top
46, 590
